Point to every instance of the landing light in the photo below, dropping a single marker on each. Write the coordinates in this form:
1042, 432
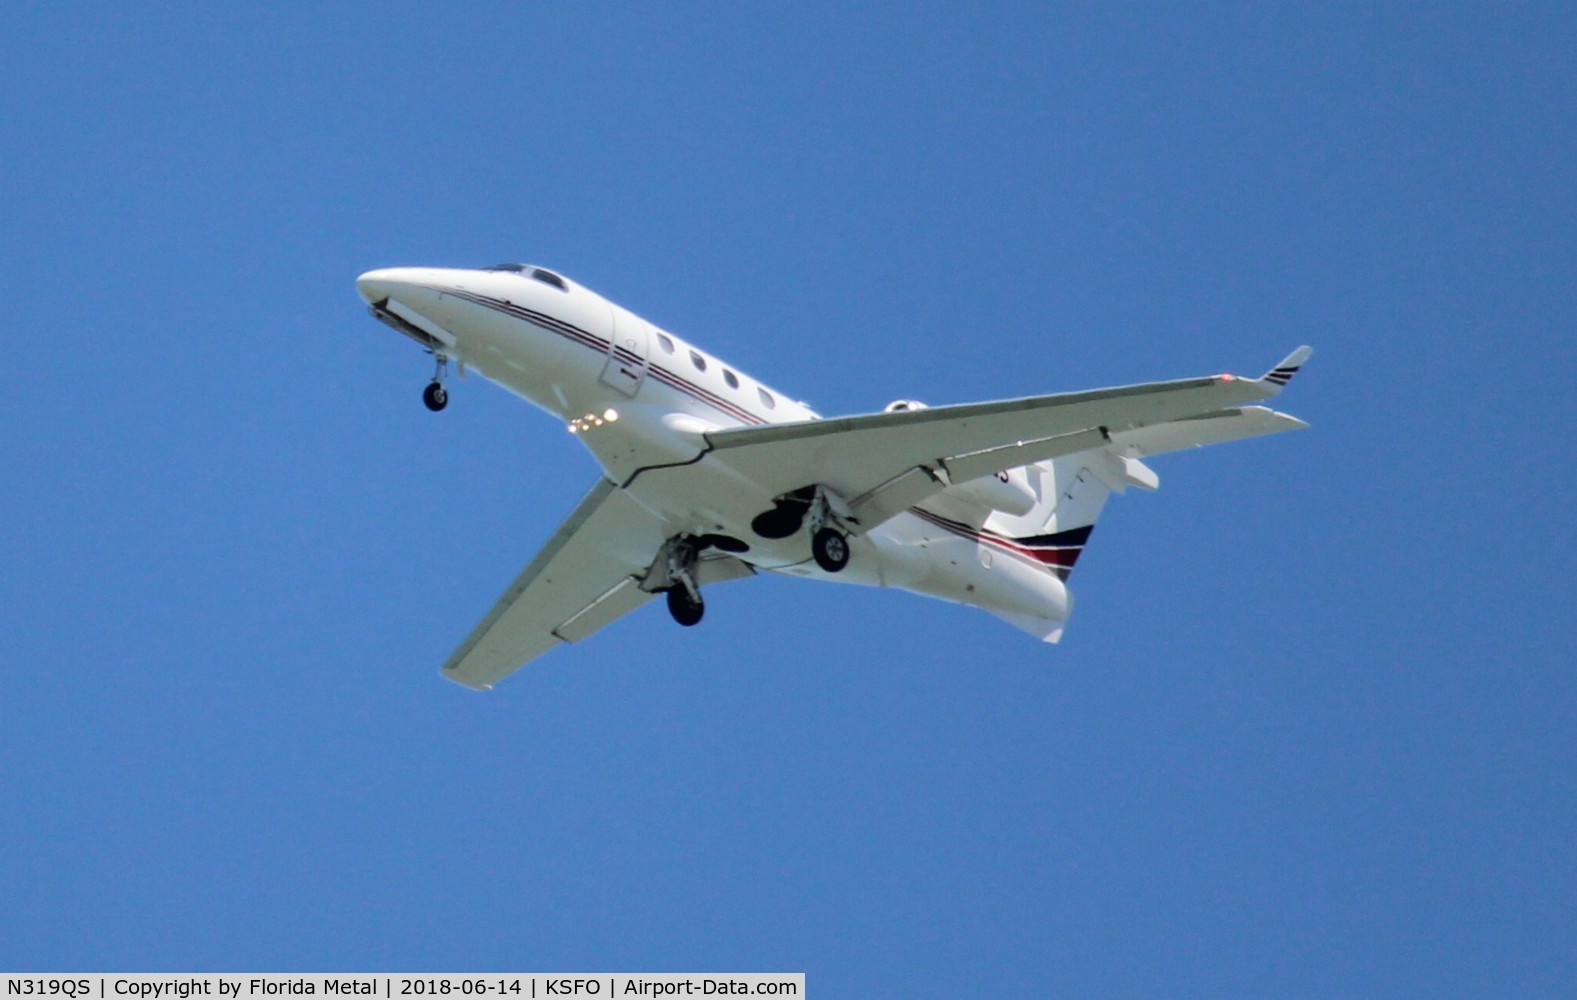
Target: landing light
582, 424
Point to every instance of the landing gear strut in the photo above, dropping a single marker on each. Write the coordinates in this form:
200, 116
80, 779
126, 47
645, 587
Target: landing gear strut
673, 573
435, 396
829, 546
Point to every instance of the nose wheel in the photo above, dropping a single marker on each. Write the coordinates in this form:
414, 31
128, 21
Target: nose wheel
435, 396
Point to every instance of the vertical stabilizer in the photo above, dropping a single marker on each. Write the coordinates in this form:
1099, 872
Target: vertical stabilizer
1071, 491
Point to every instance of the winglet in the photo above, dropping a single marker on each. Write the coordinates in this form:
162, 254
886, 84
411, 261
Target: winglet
1282, 373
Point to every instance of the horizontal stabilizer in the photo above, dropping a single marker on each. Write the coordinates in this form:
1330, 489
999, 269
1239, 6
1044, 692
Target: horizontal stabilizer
1119, 472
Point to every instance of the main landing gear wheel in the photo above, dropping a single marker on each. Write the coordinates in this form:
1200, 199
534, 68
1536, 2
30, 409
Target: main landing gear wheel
830, 549
687, 611
435, 396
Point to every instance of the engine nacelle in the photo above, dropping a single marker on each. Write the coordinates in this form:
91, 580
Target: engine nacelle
1009, 491
904, 406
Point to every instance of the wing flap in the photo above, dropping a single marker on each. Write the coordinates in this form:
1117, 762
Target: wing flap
1207, 428
963, 468
581, 580
895, 495
618, 601
919, 482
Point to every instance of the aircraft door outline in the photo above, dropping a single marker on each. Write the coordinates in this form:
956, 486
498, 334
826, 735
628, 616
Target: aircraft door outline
628, 353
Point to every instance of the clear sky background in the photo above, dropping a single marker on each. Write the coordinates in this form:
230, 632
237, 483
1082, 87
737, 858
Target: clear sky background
1313, 727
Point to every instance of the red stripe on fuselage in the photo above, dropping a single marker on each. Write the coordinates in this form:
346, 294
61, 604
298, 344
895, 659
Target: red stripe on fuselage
592, 341
1059, 559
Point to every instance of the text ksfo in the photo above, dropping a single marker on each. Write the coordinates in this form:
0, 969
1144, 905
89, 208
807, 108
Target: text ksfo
661, 988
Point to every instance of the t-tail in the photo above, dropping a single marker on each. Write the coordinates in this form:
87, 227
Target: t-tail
1072, 490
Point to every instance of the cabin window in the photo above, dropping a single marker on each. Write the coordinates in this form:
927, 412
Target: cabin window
698, 361
667, 342
731, 379
548, 278
766, 398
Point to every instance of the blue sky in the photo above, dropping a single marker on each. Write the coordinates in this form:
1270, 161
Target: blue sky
1311, 731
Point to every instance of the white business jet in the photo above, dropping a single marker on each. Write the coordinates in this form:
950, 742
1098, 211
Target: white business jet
709, 475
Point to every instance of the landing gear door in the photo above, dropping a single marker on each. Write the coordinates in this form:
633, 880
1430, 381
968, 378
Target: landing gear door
627, 356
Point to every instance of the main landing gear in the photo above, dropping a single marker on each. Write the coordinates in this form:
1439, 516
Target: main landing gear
434, 396
830, 548
672, 573
828, 515
829, 545
686, 608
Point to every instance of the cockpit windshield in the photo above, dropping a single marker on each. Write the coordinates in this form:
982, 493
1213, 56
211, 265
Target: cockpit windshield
542, 274
548, 277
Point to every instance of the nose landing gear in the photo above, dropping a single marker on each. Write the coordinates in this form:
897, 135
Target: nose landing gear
434, 396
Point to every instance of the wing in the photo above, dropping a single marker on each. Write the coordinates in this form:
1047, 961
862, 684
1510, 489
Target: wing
586, 576
883, 463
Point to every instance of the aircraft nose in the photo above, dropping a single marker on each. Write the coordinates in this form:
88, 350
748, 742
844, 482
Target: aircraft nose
383, 283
